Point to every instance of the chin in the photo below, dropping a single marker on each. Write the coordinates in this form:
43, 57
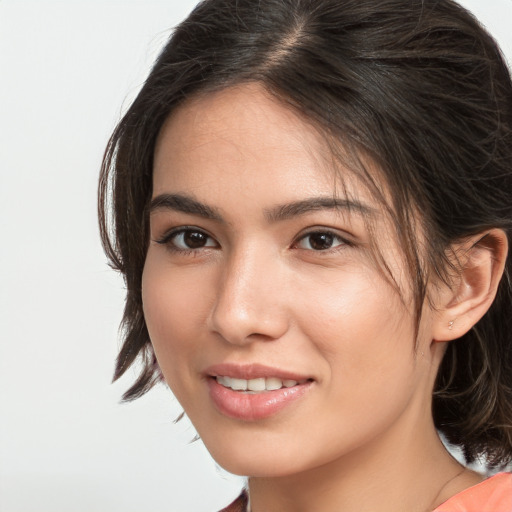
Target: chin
259, 457
262, 467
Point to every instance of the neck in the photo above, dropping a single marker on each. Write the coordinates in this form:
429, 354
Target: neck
407, 469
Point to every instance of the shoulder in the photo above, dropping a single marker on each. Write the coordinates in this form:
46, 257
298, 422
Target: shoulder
239, 505
492, 495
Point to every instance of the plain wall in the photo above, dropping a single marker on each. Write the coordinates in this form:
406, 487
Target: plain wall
67, 71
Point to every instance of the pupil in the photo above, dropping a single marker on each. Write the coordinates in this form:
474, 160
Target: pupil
194, 240
321, 241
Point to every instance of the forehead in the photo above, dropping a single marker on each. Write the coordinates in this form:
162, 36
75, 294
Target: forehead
242, 136
244, 118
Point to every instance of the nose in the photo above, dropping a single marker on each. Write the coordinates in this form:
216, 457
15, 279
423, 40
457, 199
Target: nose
250, 302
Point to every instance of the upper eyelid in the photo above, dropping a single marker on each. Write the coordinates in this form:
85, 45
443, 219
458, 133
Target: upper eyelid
343, 235
168, 234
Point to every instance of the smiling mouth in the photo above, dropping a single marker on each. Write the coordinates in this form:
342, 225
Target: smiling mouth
258, 385
254, 392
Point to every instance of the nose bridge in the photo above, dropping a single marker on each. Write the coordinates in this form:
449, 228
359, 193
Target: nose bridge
249, 303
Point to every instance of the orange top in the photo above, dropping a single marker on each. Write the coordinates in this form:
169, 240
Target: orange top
491, 495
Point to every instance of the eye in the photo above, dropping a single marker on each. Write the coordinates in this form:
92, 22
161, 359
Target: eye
320, 241
187, 239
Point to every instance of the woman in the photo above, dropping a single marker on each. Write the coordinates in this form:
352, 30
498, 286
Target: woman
312, 207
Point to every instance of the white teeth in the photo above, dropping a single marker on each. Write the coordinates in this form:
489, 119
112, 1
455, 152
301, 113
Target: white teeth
255, 385
273, 383
224, 381
238, 384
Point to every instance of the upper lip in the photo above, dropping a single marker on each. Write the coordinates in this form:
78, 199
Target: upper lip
252, 371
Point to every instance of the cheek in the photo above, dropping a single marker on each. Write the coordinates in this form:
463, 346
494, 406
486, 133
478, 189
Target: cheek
355, 310
174, 306
366, 335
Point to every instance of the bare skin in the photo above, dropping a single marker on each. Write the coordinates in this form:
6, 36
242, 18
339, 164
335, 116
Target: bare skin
238, 274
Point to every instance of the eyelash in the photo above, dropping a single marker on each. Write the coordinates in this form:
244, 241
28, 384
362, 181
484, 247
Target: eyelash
343, 242
168, 239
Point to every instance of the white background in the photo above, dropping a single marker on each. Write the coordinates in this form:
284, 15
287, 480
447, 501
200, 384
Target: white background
67, 71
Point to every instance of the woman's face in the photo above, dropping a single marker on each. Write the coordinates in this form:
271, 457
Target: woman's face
284, 342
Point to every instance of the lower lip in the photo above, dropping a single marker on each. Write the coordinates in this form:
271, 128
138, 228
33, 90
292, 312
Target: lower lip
253, 407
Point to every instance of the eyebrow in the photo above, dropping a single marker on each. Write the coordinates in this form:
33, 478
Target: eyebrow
297, 208
186, 204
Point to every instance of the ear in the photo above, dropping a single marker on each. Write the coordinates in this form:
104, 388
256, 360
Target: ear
480, 262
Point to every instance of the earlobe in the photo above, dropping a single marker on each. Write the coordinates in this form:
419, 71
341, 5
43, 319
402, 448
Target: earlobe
480, 261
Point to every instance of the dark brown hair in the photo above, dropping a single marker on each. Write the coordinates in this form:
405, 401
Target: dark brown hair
419, 86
